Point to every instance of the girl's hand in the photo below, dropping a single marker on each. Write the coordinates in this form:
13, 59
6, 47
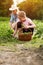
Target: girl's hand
26, 27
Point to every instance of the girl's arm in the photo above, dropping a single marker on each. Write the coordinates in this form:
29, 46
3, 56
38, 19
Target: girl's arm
32, 25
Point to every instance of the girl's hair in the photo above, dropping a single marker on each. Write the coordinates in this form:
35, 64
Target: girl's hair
21, 14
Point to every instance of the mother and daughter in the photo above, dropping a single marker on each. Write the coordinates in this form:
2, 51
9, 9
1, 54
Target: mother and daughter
19, 20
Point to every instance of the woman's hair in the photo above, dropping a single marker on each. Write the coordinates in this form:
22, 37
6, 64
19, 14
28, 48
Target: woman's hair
21, 14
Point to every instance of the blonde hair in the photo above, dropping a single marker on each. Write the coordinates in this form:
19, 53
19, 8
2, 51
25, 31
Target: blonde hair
21, 14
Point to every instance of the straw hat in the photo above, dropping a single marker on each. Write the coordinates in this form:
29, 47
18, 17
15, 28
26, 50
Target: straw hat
13, 7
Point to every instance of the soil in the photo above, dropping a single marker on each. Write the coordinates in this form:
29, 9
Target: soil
23, 56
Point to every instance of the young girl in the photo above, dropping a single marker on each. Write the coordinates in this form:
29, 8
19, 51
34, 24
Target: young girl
24, 23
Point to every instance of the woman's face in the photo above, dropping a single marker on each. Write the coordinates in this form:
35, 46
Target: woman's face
15, 11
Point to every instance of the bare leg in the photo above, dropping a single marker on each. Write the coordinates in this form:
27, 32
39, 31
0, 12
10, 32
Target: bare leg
15, 30
14, 27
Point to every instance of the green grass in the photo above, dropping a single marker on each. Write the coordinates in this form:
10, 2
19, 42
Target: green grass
7, 40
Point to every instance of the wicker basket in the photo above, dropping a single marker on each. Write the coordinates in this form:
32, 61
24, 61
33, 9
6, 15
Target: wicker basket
25, 36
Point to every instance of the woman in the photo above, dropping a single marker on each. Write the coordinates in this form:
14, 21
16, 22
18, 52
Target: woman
14, 18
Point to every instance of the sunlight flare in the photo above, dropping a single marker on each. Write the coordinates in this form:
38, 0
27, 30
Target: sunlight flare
18, 1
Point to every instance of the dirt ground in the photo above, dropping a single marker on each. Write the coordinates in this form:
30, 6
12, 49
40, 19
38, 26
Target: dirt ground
23, 56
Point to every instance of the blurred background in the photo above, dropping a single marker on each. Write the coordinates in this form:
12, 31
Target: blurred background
33, 8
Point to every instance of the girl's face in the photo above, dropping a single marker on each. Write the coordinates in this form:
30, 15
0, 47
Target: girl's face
22, 19
19, 17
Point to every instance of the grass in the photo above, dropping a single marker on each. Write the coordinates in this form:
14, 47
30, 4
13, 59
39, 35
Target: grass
7, 40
